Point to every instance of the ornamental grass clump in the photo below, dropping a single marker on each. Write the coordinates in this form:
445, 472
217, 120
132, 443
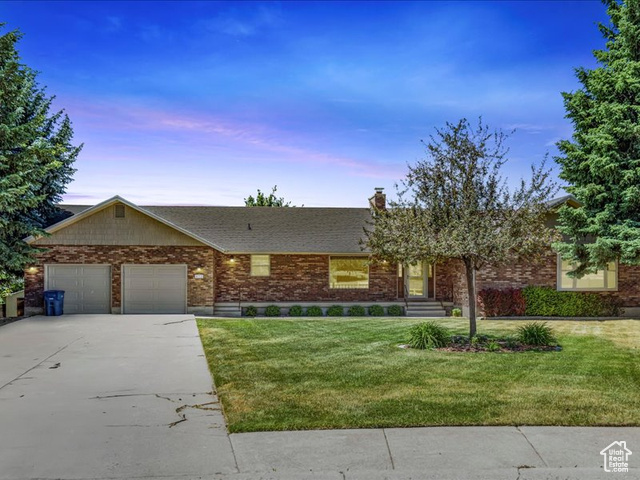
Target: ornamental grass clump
536, 333
429, 335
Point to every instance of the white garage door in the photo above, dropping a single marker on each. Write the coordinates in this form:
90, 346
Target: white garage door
87, 288
154, 288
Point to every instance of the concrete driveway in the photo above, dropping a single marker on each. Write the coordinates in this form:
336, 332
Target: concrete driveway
108, 396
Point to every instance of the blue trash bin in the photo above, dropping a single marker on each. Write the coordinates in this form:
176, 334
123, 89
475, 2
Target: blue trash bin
53, 302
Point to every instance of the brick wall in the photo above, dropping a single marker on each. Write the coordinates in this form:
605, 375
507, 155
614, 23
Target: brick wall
451, 284
449, 280
200, 292
628, 285
297, 278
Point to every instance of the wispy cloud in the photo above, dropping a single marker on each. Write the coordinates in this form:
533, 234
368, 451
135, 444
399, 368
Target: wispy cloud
114, 24
529, 127
207, 130
243, 22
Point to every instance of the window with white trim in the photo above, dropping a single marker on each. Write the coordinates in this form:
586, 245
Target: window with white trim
349, 272
601, 280
260, 265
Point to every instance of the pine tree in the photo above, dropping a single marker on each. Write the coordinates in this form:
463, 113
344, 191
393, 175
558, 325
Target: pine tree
36, 158
601, 163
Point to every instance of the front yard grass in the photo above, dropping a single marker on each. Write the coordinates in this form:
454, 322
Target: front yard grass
301, 373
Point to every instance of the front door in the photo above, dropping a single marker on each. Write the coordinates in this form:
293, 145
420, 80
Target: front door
420, 281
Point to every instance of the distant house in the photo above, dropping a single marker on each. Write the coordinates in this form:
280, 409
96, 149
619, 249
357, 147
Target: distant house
118, 257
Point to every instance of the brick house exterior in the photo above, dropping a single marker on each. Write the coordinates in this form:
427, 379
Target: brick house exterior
208, 253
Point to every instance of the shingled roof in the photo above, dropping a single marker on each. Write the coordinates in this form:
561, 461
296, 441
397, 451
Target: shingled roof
271, 230
266, 230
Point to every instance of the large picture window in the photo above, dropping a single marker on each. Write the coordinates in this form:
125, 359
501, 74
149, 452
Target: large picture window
260, 265
348, 272
601, 280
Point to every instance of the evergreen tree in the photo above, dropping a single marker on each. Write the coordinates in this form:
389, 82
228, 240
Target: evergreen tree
36, 158
601, 163
456, 205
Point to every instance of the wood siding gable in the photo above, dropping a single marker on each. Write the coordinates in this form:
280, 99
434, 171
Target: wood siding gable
103, 228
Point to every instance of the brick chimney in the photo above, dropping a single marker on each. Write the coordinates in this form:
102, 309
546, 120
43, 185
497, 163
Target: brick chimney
379, 199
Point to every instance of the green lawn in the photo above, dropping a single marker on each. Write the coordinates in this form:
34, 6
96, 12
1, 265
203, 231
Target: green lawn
291, 374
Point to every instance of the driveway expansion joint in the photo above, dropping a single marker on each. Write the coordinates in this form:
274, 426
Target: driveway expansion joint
386, 441
534, 449
40, 363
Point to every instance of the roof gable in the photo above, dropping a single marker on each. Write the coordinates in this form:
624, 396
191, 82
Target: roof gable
144, 228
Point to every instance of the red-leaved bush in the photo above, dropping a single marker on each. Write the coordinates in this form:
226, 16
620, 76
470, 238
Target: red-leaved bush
501, 302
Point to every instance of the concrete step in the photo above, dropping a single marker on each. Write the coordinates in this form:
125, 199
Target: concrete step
424, 309
227, 311
428, 309
433, 314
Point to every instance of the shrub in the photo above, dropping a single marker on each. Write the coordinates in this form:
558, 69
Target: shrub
395, 310
547, 302
511, 342
456, 312
376, 311
493, 346
335, 311
314, 311
428, 335
504, 302
536, 333
272, 311
295, 311
357, 311
250, 311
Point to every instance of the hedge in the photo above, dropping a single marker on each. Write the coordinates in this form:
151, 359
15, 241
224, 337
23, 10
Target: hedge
547, 302
507, 302
536, 301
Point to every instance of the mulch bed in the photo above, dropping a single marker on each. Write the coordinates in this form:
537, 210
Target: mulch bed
457, 347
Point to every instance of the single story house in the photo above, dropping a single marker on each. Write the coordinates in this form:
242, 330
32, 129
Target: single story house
118, 257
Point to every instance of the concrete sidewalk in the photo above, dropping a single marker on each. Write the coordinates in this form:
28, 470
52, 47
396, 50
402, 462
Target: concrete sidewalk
435, 453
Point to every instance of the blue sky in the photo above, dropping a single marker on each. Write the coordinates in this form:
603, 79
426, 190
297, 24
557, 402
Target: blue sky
205, 102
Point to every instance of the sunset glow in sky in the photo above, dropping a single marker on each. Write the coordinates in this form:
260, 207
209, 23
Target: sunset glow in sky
205, 102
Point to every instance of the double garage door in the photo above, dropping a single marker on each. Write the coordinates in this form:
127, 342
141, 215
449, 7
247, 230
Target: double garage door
145, 288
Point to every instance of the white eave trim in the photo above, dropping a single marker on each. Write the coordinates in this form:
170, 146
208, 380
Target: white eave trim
111, 201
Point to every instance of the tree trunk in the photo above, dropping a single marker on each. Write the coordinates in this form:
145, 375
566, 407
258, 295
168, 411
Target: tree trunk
471, 289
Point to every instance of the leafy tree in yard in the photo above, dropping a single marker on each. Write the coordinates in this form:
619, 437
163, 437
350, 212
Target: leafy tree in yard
601, 162
36, 158
261, 200
455, 204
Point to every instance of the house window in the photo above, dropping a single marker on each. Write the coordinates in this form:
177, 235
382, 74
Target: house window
601, 280
260, 265
348, 272
119, 211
